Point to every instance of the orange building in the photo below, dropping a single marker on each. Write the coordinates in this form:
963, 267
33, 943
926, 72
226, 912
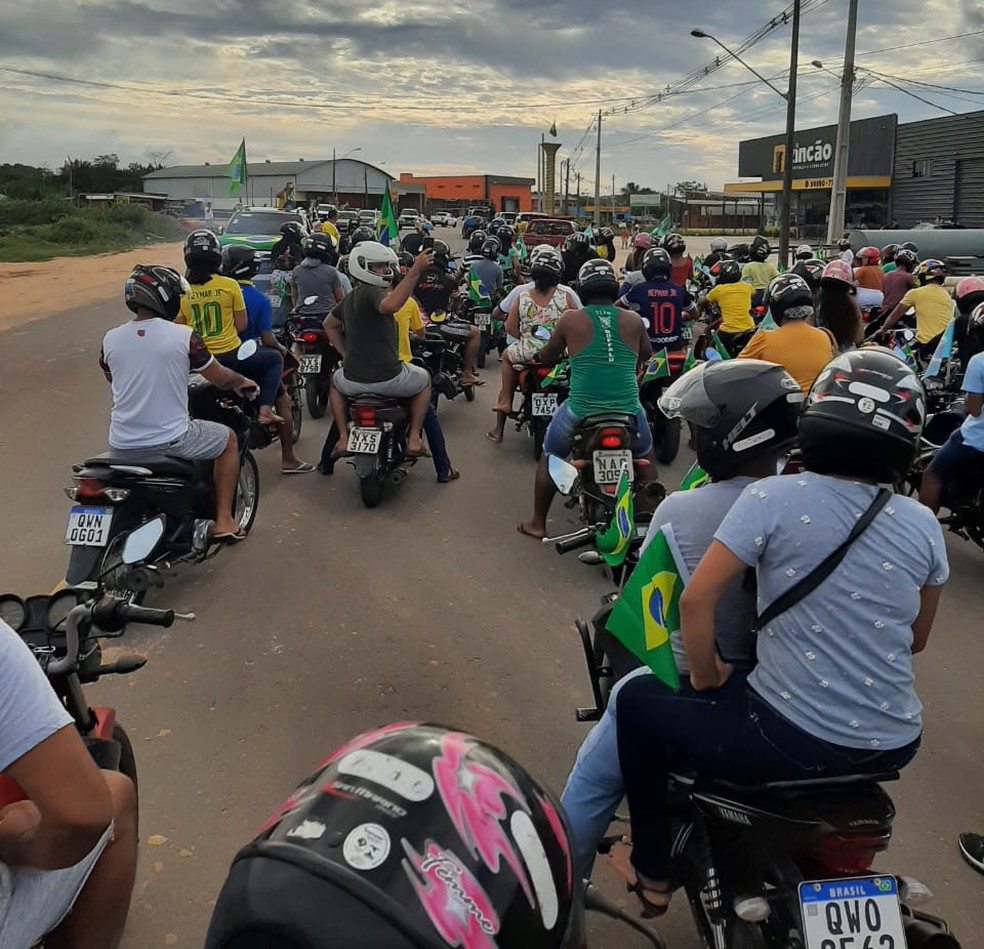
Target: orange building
502, 192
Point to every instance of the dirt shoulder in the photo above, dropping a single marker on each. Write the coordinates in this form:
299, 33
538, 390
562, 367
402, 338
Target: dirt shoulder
31, 291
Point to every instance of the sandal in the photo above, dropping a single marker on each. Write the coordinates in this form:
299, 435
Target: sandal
657, 902
452, 475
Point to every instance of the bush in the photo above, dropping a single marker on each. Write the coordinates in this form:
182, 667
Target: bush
13, 213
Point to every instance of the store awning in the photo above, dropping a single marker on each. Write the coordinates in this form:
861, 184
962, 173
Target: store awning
808, 184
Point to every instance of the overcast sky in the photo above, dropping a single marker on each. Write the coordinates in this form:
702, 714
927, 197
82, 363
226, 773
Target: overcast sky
452, 86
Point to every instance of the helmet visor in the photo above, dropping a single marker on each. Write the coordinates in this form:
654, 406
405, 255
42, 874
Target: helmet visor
687, 399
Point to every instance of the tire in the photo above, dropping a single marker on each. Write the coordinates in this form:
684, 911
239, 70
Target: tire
483, 350
538, 429
296, 415
669, 444
247, 498
128, 765
113, 582
371, 490
469, 393
316, 395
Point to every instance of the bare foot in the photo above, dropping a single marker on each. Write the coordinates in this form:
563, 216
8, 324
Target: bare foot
494, 436
470, 379
267, 416
532, 529
341, 446
226, 525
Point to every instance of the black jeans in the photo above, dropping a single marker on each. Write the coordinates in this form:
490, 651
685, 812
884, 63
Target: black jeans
730, 733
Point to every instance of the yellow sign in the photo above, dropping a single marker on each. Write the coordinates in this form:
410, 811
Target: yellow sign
817, 184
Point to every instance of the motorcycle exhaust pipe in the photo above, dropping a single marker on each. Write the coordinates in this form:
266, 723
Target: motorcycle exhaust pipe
923, 931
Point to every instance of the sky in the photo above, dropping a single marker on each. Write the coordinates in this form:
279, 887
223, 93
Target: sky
455, 87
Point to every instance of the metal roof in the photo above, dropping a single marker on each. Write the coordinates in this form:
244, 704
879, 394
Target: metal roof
258, 168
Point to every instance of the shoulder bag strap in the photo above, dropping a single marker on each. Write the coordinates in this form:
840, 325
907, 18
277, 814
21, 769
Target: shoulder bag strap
824, 569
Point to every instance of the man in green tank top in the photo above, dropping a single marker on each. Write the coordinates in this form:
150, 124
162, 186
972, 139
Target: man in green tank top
607, 346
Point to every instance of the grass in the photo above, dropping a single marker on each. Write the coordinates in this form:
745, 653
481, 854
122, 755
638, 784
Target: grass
40, 230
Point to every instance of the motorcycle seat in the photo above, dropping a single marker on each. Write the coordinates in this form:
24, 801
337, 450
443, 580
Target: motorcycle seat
607, 418
787, 788
374, 400
158, 464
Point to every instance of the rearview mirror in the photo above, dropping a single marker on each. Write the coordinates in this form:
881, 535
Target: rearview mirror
247, 349
141, 542
563, 474
911, 311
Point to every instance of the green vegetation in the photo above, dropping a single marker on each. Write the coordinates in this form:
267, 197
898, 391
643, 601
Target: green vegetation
39, 230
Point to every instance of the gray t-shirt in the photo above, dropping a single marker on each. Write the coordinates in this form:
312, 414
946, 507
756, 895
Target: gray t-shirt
372, 351
695, 516
29, 709
315, 282
838, 664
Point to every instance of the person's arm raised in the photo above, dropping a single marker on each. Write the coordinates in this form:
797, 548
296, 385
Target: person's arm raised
402, 292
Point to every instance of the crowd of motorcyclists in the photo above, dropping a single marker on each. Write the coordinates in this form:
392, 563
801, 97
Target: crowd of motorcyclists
810, 358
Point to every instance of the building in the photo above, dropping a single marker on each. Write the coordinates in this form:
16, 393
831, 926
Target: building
459, 192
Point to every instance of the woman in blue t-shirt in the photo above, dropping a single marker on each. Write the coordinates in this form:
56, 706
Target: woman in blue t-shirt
833, 691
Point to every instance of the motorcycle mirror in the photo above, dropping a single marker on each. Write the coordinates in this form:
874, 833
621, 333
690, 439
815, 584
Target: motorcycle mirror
561, 473
246, 350
911, 311
645, 322
141, 542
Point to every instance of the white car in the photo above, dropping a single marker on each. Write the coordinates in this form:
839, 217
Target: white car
408, 218
443, 219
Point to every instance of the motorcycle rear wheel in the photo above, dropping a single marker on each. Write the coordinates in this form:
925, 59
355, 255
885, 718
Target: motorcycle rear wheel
669, 444
316, 395
371, 490
296, 415
538, 429
247, 498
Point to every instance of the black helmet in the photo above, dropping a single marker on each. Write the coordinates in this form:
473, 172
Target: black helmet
406, 259
506, 235
476, 241
656, 264
906, 258
202, 246
760, 248
579, 238
787, 292
606, 234
490, 249
158, 289
547, 263
907, 245
813, 271
441, 249
362, 233
408, 837
292, 229
804, 252
596, 279
863, 417
674, 244
322, 246
728, 271
741, 410
239, 262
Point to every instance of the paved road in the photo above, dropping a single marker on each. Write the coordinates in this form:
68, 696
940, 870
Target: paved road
332, 619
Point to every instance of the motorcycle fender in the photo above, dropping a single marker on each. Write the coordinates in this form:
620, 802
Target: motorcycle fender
365, 465
10, 791
83, 564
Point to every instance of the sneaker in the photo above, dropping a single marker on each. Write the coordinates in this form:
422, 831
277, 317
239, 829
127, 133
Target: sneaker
972, 850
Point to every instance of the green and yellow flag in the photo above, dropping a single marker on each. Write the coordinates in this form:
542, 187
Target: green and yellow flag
658, 368
613, 544
551, 377
689, 362
647, 612
389, 233
696, 477
237, 169
521, 247
475, 289
719, 346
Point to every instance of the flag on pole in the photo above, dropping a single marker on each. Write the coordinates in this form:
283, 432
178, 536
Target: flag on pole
944, 349
388, 230
475, 289
553, 129
659, 232
589, 231
696, 477
237, 169
658, 368
689, 362
520, 247
613, 544
647, 613
722, 350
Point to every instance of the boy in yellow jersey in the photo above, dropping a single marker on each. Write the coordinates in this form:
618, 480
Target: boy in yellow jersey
932, 303
733, 298
328, 226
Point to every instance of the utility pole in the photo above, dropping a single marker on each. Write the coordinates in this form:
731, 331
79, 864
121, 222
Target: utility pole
542, 160
334, 187
567, 186
597, 194
579, 193
838, 192
613, 199
785, 212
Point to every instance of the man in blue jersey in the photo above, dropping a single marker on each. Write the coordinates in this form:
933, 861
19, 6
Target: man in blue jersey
664, 305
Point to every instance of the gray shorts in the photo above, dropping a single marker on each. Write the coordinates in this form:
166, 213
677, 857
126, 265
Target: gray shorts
202, 441
455, 330
404, 385
34, 902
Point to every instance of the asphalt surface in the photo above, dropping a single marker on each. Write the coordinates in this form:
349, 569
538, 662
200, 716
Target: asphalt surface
332, 619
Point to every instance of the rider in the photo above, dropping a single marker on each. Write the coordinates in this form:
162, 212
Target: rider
801, 349
363, 331
733, 297
823, 699
329, 227
288, 252
899, 281
714, 398
487, 269
683, 267
719, 252
240, 263
147, 361
640, 244
577, 252
215, 307
509, 256
888, 253
869, 277
605, 244
931, 301
844, 251
837, 307
664, 305
606, 346
413, 241
969, 294
531, 320
759, 272
502, 308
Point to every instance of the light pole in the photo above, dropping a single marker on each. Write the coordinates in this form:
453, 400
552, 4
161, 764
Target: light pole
790, 96
334, 187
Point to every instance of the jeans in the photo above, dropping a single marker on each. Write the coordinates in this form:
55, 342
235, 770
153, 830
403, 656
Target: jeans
731, 733
265, 367
557, 440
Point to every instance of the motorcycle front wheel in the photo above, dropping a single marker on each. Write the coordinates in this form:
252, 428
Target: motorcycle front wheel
247, 493
128, 764
296, 414
316, 394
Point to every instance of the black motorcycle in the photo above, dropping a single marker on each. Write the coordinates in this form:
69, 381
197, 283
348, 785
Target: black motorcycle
444, 359
666, 431
377, 444
542, 390
480, 315
292, 380
318, 360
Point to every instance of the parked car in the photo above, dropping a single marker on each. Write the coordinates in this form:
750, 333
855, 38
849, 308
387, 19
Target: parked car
409, 217
548, 230
369, 217
443, 219
347, 221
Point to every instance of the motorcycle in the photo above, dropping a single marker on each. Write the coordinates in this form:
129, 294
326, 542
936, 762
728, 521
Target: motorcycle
480, 315
318, 360
116, 495
538, 406
666, 432
292, 380
377, 440
444, 360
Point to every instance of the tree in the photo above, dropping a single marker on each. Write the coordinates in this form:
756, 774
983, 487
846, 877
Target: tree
687, 188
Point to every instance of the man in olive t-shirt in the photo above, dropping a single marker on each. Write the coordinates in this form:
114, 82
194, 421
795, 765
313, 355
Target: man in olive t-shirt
364, 332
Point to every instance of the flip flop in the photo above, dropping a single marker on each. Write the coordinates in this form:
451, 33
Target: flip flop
522, 529
492, 438
452, 475
303, 468
230, 538
422, 453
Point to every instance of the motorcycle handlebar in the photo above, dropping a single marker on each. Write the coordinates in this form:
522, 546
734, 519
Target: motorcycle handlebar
131, 613
575, 541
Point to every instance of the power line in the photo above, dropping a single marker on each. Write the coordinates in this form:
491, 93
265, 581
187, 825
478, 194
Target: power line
940, 39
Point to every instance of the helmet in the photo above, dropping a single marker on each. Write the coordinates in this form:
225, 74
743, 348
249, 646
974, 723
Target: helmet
741, 410
476, 241
929, 270
888, 253
656, 264
406, 259
969, 293
642, 240
869, 256
906, 258
322, 246
158, 289
547, 263
427, 227
976, 321
409, 836
366, 253
570, 242
539, 249
718, 245
787, 293
506, 235
760, 248
837, 275
814, 271
490, 249
606, 234
202, 246
728, 271
863, 417
844, 244
239, 262
674, 243
362, 233
292, 229
804, 252
907, 245
579, 237
596, 278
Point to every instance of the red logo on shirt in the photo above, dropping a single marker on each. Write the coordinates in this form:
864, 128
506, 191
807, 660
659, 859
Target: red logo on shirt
141, 332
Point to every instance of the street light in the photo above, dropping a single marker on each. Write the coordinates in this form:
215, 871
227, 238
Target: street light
790, 98
351, 151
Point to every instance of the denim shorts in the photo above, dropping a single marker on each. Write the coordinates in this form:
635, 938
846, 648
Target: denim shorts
951, 462
557, 440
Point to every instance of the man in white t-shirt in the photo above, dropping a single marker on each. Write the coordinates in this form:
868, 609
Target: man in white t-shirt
147, 362
68, 831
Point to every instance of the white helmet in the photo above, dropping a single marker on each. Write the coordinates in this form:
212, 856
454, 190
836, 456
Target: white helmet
718, 243
541, 249
366, 253
804, 252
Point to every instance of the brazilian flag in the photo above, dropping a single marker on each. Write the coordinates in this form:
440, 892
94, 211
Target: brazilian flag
475, 289
236, 171
613, 544
658, 368
389, 233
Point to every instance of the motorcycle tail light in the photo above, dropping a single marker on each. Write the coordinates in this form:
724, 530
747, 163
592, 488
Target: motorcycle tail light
310, 336
849, 854
86, 489
117, 494
364, 415
611, 438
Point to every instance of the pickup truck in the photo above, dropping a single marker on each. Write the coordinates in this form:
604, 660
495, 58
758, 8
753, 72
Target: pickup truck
548, 230
443, 219
408, 218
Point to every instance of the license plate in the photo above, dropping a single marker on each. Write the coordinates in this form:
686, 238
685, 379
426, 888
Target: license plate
853, 914
608, 466
88, 526
275, 300
364, 441
310, 365
483, 320
544, 403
